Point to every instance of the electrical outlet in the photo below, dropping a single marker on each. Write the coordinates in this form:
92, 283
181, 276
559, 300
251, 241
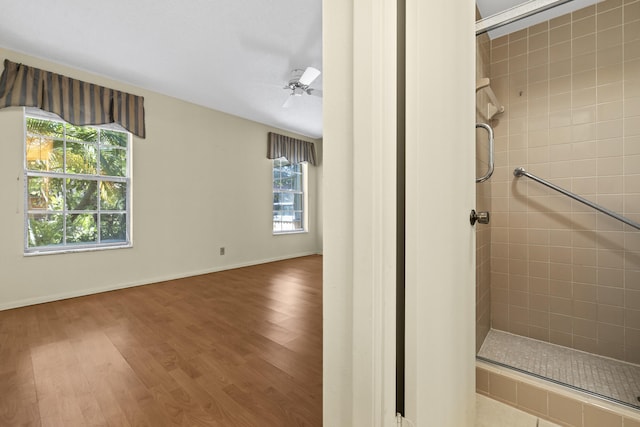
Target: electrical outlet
222, 250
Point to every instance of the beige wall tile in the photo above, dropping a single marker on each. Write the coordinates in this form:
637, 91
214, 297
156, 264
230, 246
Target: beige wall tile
610, 74
517, 47
631, 87
538, 40
560, 34
605, 5
610, 277
565, 410
517, 35
612, 147
538, 28
632, 354
610, 56
584, 274
608, 258
611, 296
533, 399
584, 292
559, 322
611, 314
631, 32
560, 51
628, 422
609, 38
482, 380
584, 97
560, 288
502, 40
499, 53
610, 333
502, 388
560, 338
499, 69
610, 92
539, 303
608, 19
632, 299
589, 345
586, 311
584, 80
631, 12
631, 69
583, 13
587, 62
632, 107
560, 20
631, 126
583, 27
608, 166
538, 73
583, 45
599, 417
540, 56
610, 110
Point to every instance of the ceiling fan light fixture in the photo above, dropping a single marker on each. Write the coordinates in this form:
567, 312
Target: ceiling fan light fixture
300, 83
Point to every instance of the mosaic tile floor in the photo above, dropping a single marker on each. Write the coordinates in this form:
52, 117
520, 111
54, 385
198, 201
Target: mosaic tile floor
606, 377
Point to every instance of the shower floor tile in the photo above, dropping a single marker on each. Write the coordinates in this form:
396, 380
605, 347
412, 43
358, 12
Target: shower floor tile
601, 375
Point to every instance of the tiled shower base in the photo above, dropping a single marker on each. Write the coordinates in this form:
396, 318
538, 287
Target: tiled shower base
605, 377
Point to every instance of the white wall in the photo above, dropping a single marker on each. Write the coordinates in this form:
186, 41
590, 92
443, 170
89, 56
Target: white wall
201, 180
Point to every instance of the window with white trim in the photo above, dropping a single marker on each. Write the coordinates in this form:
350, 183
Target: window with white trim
289, 197
77, 186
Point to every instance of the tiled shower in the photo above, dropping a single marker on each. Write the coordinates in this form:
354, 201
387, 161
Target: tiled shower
550, 268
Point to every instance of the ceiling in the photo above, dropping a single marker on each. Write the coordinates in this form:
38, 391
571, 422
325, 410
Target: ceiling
233, 56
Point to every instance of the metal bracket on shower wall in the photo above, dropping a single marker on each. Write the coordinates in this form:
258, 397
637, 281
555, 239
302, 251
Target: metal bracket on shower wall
516, 13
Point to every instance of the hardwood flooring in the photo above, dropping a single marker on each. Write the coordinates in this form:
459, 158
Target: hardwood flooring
240, 347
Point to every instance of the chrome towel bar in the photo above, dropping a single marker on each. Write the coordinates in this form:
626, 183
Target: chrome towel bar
518, 172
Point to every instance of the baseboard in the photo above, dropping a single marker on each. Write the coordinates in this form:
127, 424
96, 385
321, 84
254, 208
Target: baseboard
91, 291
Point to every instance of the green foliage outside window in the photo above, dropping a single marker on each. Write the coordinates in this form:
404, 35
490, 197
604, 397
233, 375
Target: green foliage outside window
77, 185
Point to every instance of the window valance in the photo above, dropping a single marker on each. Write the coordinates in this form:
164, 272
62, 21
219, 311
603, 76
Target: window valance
77, 102
292, 149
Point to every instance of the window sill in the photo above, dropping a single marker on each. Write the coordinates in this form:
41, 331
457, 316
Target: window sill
36, 252
281, 233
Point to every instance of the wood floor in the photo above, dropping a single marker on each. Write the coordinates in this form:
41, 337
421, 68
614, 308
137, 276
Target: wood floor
236, 348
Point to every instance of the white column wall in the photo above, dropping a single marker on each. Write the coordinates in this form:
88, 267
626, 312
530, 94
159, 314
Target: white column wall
440, 193
358, 223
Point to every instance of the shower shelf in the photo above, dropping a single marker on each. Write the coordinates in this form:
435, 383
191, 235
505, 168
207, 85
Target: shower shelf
494, 107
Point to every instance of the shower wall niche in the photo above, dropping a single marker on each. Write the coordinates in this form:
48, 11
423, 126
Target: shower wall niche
550, 268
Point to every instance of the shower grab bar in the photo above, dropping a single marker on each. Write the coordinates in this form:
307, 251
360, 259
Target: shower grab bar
518, 172
489, 130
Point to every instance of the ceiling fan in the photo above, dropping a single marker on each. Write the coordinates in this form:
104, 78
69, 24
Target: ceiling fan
300, 83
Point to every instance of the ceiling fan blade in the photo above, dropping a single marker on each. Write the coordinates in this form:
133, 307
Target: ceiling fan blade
314, 92
288, 101
309, 75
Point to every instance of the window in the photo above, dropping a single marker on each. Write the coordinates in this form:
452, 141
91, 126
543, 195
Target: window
78, 186
289, 198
